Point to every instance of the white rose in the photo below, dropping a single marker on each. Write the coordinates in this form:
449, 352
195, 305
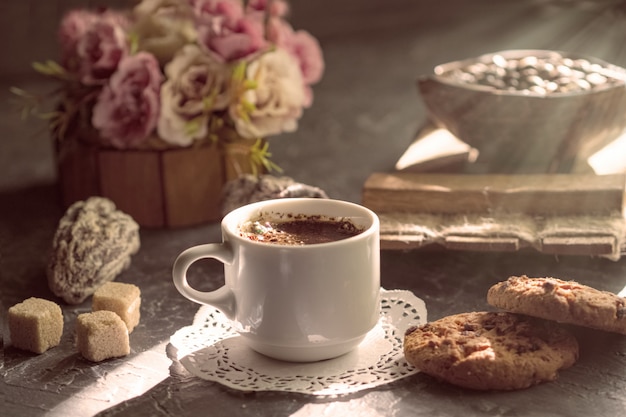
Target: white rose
196, 86
277, 99
163, 27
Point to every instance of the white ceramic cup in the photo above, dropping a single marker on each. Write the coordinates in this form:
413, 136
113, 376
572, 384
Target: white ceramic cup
295, 303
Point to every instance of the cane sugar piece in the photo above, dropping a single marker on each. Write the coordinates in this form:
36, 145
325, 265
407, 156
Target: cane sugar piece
101, 335
35, 324
123, 299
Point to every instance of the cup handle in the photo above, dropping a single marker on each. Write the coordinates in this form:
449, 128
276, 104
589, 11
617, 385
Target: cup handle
222, 298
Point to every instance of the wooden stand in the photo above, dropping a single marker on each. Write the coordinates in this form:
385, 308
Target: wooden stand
158, 188
542, 194
559, 214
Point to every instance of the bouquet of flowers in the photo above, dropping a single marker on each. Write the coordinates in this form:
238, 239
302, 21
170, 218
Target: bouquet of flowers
178, 73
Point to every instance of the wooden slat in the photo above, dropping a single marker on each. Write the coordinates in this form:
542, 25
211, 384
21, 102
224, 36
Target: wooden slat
401, 241
483, 244
77, 172
192, 183
131, 180
588, 245
592, 236
534, 194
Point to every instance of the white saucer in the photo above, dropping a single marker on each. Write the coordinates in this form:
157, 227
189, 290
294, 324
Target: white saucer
210, 349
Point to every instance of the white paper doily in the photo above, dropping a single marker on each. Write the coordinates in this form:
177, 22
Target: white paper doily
210, 349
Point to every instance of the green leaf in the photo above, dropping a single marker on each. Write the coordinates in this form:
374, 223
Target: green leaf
54, 66
194, 125
39, 67
209, 101
260, 158
53, 115
239, 72
133, 40
250, 84
215, 123
24, 113
19, 92
50, 68
248, 107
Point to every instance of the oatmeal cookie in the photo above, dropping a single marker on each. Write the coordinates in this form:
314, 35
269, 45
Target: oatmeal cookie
491, 351
562, 301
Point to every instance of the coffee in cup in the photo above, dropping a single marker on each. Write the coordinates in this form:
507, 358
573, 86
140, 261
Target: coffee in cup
298, 229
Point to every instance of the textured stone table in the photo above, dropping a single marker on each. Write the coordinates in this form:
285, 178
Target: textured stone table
365, 114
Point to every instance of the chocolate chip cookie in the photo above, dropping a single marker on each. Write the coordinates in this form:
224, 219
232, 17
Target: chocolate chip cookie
491, 350
562, 301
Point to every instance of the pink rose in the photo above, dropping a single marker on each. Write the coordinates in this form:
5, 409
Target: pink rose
304, 48
278, 8
227, 32
127, 109
241, 40
216, 13
308, 52
279, 32
73, 26
101, 47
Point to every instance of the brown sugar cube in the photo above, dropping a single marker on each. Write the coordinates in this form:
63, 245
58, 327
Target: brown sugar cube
35, 324
123, 299
101, 335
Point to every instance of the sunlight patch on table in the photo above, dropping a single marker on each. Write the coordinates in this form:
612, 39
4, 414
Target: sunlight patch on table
133, 377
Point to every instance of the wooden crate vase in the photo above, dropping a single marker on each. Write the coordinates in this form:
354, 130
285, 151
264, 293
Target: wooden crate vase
158, 188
